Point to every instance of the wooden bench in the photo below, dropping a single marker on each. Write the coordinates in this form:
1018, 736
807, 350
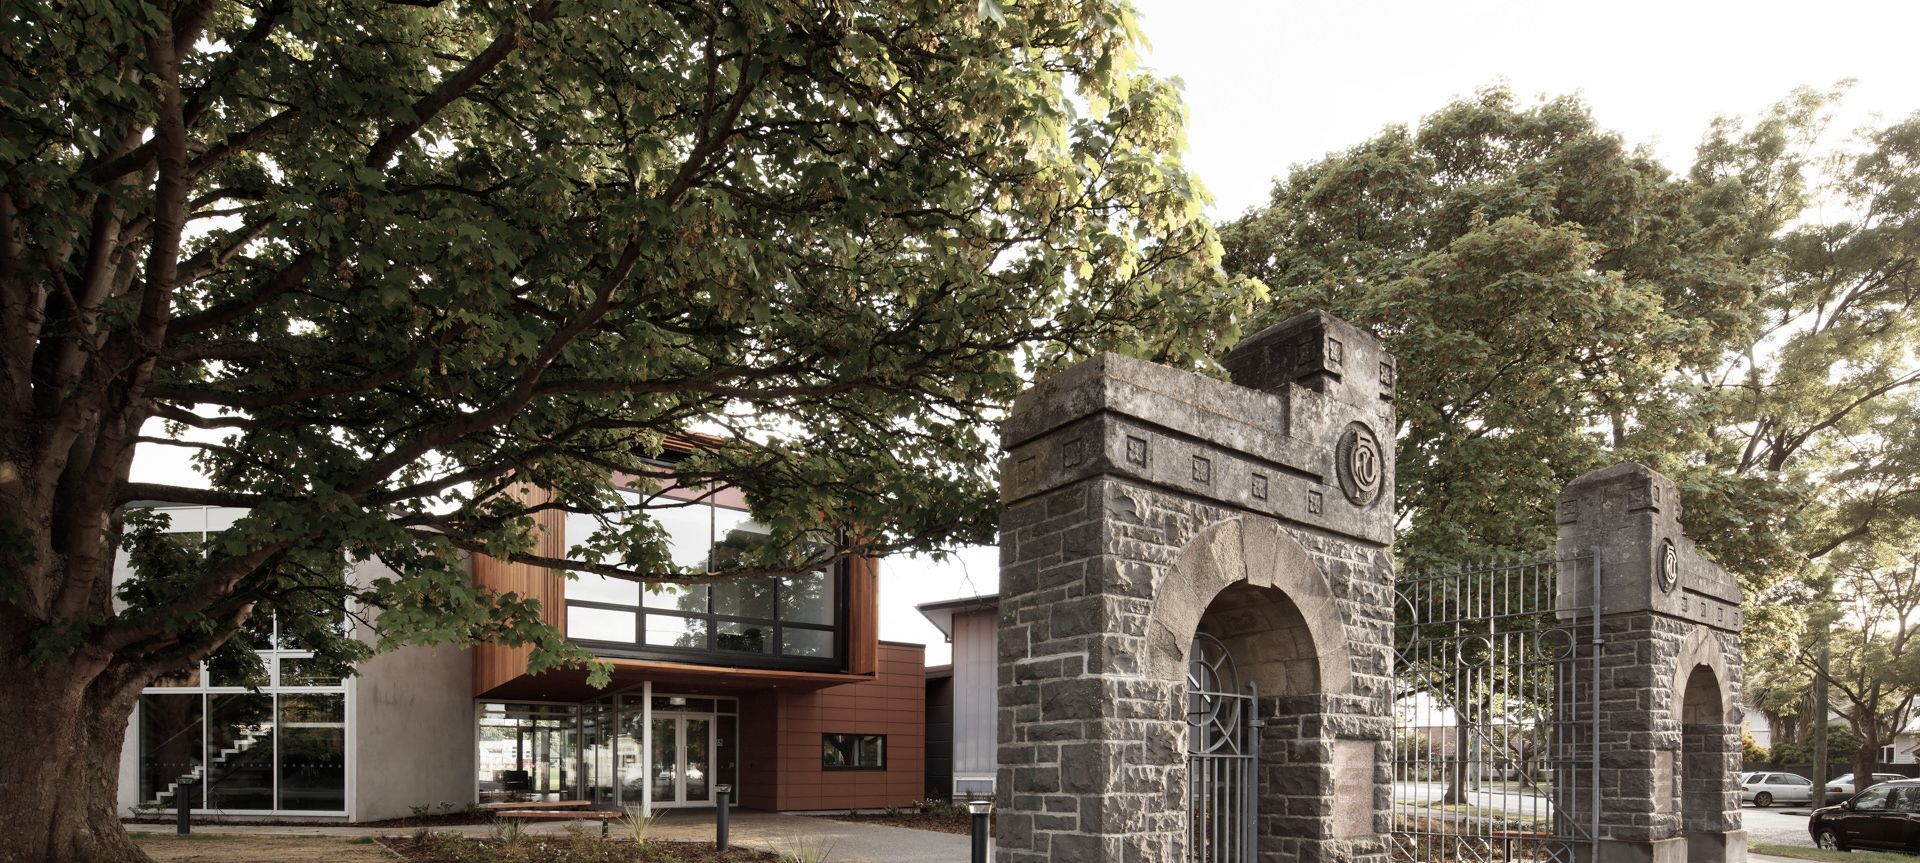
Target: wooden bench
600, 815
536, 804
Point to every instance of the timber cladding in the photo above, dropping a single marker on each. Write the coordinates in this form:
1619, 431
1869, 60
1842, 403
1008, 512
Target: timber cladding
496, 664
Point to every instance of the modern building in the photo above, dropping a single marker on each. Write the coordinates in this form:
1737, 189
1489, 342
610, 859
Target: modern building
972, 625
779, 687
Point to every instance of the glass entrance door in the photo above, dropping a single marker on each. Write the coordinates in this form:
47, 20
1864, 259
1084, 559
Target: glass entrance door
682, 760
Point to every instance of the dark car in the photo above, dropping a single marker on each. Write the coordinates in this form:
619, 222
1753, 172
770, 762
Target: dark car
1885, 816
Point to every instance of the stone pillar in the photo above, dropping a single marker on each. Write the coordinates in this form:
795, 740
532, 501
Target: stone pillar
1669, 673
1136, 497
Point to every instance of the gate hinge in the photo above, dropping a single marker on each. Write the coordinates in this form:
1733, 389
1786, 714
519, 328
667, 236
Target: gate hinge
1256, 723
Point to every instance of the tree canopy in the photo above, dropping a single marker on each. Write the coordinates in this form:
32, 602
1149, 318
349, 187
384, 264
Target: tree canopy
1559, 300
379, 265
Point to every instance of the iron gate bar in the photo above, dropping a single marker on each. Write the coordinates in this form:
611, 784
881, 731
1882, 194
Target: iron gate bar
1222, 757
1488, 659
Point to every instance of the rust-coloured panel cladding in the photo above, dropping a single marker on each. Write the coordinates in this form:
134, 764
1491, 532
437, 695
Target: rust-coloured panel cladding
893, 704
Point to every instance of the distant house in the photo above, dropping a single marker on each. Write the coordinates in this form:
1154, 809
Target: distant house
1760, 726
972, 625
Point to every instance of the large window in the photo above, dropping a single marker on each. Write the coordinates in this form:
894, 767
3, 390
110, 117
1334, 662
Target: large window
527, 752
270, 751
786, 621
272, 739
853, 751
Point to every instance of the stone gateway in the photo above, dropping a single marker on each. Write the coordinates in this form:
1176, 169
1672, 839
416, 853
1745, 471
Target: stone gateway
1147, 509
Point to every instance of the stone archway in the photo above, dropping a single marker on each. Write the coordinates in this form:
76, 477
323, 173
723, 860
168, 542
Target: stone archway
1145, 505
1247, 553
1252, 587
1709, 747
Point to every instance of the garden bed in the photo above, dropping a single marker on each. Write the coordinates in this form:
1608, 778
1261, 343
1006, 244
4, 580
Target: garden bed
940, 818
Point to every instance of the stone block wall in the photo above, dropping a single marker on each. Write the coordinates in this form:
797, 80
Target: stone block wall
1135, 495
1668, 697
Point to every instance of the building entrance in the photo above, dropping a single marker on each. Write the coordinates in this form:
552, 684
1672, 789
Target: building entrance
634, 749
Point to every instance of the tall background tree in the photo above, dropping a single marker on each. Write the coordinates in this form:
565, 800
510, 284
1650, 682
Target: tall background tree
1560, 300
381, 266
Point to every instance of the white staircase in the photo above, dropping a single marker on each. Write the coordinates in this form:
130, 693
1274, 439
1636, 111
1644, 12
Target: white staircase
249, 735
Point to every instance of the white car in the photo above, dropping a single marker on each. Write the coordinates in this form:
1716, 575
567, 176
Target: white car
1766, 789
1843, 784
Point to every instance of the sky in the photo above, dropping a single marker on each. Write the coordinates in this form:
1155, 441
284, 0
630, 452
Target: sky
1274, 84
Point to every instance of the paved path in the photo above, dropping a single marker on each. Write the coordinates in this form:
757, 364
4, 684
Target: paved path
852, 842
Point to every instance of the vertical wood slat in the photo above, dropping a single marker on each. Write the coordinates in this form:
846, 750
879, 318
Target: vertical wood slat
495, 664
863, 615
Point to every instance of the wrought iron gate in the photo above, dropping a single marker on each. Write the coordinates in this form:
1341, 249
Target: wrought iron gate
1496, 739
1223, 749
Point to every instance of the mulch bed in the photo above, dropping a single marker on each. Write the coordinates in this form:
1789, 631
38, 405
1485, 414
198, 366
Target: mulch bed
454, 819
445, 848
940, 822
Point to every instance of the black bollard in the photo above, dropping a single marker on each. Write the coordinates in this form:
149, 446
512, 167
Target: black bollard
724, 797
183, 806
979, 808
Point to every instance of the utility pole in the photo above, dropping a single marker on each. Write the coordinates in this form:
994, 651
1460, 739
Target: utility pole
1820, 728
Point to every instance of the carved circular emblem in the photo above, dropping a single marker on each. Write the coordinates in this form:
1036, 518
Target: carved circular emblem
1669, 566
1361, 465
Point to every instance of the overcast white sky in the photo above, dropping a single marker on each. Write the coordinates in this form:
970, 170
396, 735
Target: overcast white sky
1272, 84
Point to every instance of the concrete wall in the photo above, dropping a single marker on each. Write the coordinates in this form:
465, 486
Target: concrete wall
412, 736
412, 741
976, 708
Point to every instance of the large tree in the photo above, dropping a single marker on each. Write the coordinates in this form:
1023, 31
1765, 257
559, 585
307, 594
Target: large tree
1559, 300
380, 266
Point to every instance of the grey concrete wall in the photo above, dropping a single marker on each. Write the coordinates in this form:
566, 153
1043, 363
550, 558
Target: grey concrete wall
1135, 496
412, 742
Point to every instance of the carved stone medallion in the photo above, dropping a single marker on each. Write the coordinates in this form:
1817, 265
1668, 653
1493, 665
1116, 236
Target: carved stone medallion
1669, 566
1361, 465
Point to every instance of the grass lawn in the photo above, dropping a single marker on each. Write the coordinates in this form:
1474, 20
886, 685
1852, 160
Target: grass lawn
1803, 853
229, 848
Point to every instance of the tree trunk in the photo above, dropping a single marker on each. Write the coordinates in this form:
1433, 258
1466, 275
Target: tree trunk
1460, 778
59, 797
1866, 759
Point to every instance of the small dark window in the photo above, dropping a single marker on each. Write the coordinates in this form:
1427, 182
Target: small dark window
853, 751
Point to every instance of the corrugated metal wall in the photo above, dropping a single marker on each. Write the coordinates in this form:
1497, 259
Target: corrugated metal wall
976, 702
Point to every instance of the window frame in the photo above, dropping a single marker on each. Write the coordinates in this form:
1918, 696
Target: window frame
710, 650
855, 739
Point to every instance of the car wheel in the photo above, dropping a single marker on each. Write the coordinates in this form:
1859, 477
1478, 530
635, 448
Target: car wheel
1829, 840
1763, 800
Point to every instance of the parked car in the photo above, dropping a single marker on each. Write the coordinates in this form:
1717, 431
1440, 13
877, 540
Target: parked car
1884, 816
1766, 789
1843, 784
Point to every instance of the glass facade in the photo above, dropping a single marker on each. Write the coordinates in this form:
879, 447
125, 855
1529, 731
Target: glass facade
253, 741
527, 752
784, 622
283, 749
618, 751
